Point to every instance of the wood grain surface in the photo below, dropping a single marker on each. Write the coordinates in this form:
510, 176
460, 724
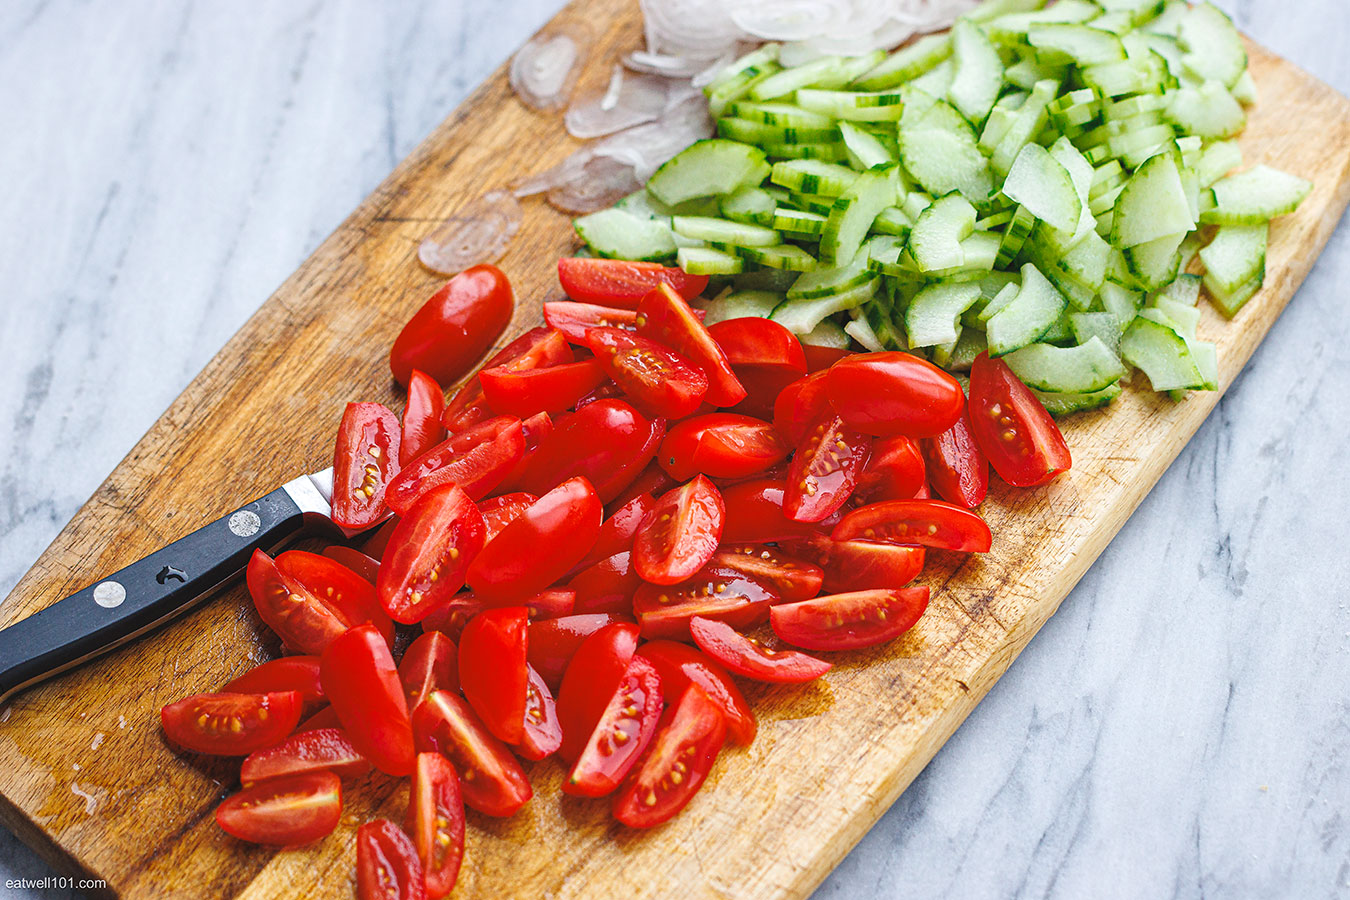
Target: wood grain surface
86, 776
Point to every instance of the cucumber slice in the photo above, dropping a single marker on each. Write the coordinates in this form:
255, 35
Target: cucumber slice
616, 234
1015, 237
707, 261
784, 256
831, 280
1024, 318
1208, 111
1185, 290
1013, 28
935, 242
645, 206
1212, 44
813, 203
933, 315
939, 149
706, 228
1025, 73
1153, 205
831, 153
740, 305
810, 176
798, 223
977, 72
826, 334
1072, 43
1120, 301
754, 61
907, 63
1102, 325
880, 106
1254, 196
801, 316
1065, 404
1155, 263
720, 97
782, 115
893, 221
935, 83
827, 72
860, 329
1031, 118
1007, 294
1244, 90
708, 168
853, 213
1229, 304
749, 206
1040, 184
1082, 369
865, 149
882, 323
748, 132
1217, 160
773, 280
1235, 257
1162, 354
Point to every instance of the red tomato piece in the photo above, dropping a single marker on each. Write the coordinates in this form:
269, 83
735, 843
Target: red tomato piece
491, 779
536, 428
683, 752
860, 565
824, 469
789, 578
289, 673
284, 812
894, 393
366, 566
320, 750
543, 733
575, 319
362, 683
553, 642
541, 544
665, 317
536, 348
849, 621
819, 358
324, 718
916, 523
657, 380
800, 403
231, 724
1019, 438
759, 342
623, 732
348, 595
714, 592
748, 658
680, 534
387, 866
653, 481
618, 282
607, 391
429, 553
894, 471
436, 822
374, 545
755, 514
720, 445
455, 326
592, 677
608, 442
430, 664
762, 386
500, 511
477, 460
531, 391
422, 428
492, 670
451, 617
365, 460
956, 466
680, 665
616, 534
606, 587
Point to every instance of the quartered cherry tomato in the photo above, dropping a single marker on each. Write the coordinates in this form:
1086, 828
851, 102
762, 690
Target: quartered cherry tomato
553, 642
617, 282
624, 730
790, 578
819, 358
491, 779
860, 565
232, 724
652, 480
617, 531
476, 459
683, 752
536, 348
309, 600
540, 545
894, 393
450, 617
363, 564
543, 731
289, 673
422, 428
492, 670
680, 665
362, 683
1012, 427
387, 866
502, 510
665, 317
455, 326
765, 357
956, 466
527, 392
608, 442
575, 319
365, 460
749, 658
607, 586
284, 812
680, 533
755, 514
720, 445
916, 523
657, 380
319, 750
849, 621
592, 677
375, 545
324, 718
429, 553
824, 469
894, 471
799, 404
430, 664
714, 592
436, 822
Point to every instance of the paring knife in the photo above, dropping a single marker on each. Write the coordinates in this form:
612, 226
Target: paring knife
169, 581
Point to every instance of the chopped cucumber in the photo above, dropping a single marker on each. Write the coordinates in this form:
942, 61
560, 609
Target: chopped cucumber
939, 149
907, 63
1022, 319
706, 228
865, 149
1040, 184
935, 242
708, 168
1063, 404
740, 304
1254, 196
934, 314
1207, 111
706, 261
855, 211
750, 206
831, 280
1235, 258
1082, 369
1212, 44
1162, 354
1152, 205
617, 234
812, 177
977, 74
801, 316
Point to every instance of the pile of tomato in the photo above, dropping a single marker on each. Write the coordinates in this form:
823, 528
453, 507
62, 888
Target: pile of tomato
588, 532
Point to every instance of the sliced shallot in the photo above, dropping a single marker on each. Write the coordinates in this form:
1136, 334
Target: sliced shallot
599, 182
545, 69
477, 234
632, 98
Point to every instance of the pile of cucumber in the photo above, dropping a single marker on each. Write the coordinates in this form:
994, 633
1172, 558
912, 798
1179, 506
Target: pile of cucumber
1033, 183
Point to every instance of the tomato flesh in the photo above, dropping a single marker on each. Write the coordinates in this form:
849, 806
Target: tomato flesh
535, 348
330, 583
387, 866
1019, 438
553, 642
894, 471
894, 393
429, 553
749, 658
368, 567
422, 428
455, 326
319, 750
720, 445
791, 579
621, 283
575, 319
680, 665
365, 460
825, 469
759, 342
626, 726
430, 664
531, 391
657, 380
617, 532
665, 317
476, 459
849, 621
917, 523
284, 812
682, 754
592, 677
799, 404
956, 466
491, 779
362, 683
608, 442
500, 511
680, 534
714, 592
543, 733
231, 724
860, 565
289, 673
755, 514
436, 822
607, 586
492, 670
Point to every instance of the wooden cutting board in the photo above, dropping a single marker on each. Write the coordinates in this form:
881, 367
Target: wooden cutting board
86, 777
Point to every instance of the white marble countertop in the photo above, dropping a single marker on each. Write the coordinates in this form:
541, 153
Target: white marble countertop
1180, 728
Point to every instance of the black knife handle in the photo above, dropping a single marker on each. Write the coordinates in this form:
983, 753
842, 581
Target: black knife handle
145, 594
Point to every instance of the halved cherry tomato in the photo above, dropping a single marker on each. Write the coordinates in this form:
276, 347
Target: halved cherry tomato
608, 442
1012, 427
455, 326
500, 511
422, 428
477, 459
436, 822
543, 733
550, 603
536, 428
387, 866
592, 677
894, 393
365, 460
800, 403
351, 597
621, 283
492, 670
762, 386
616, 534
622, 734
232, 724
860, 565
606, 391
450, 617
430, 664
714, 592
720, 445
324, 718
752, 341
289, 673
284, 812
553, 642
916, 523
956, 466
791, 579
606, 587
680, 665
374, 545
362, 683
819, 358
575, 319
755, 514
749, 658
682, 754
849, 621
652, 480
320, 750
528, 392
824, 469
490, 777
368, 567
536, 348
680, 533
430, 552
894, 471
665, 317
657, 380
540, 545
